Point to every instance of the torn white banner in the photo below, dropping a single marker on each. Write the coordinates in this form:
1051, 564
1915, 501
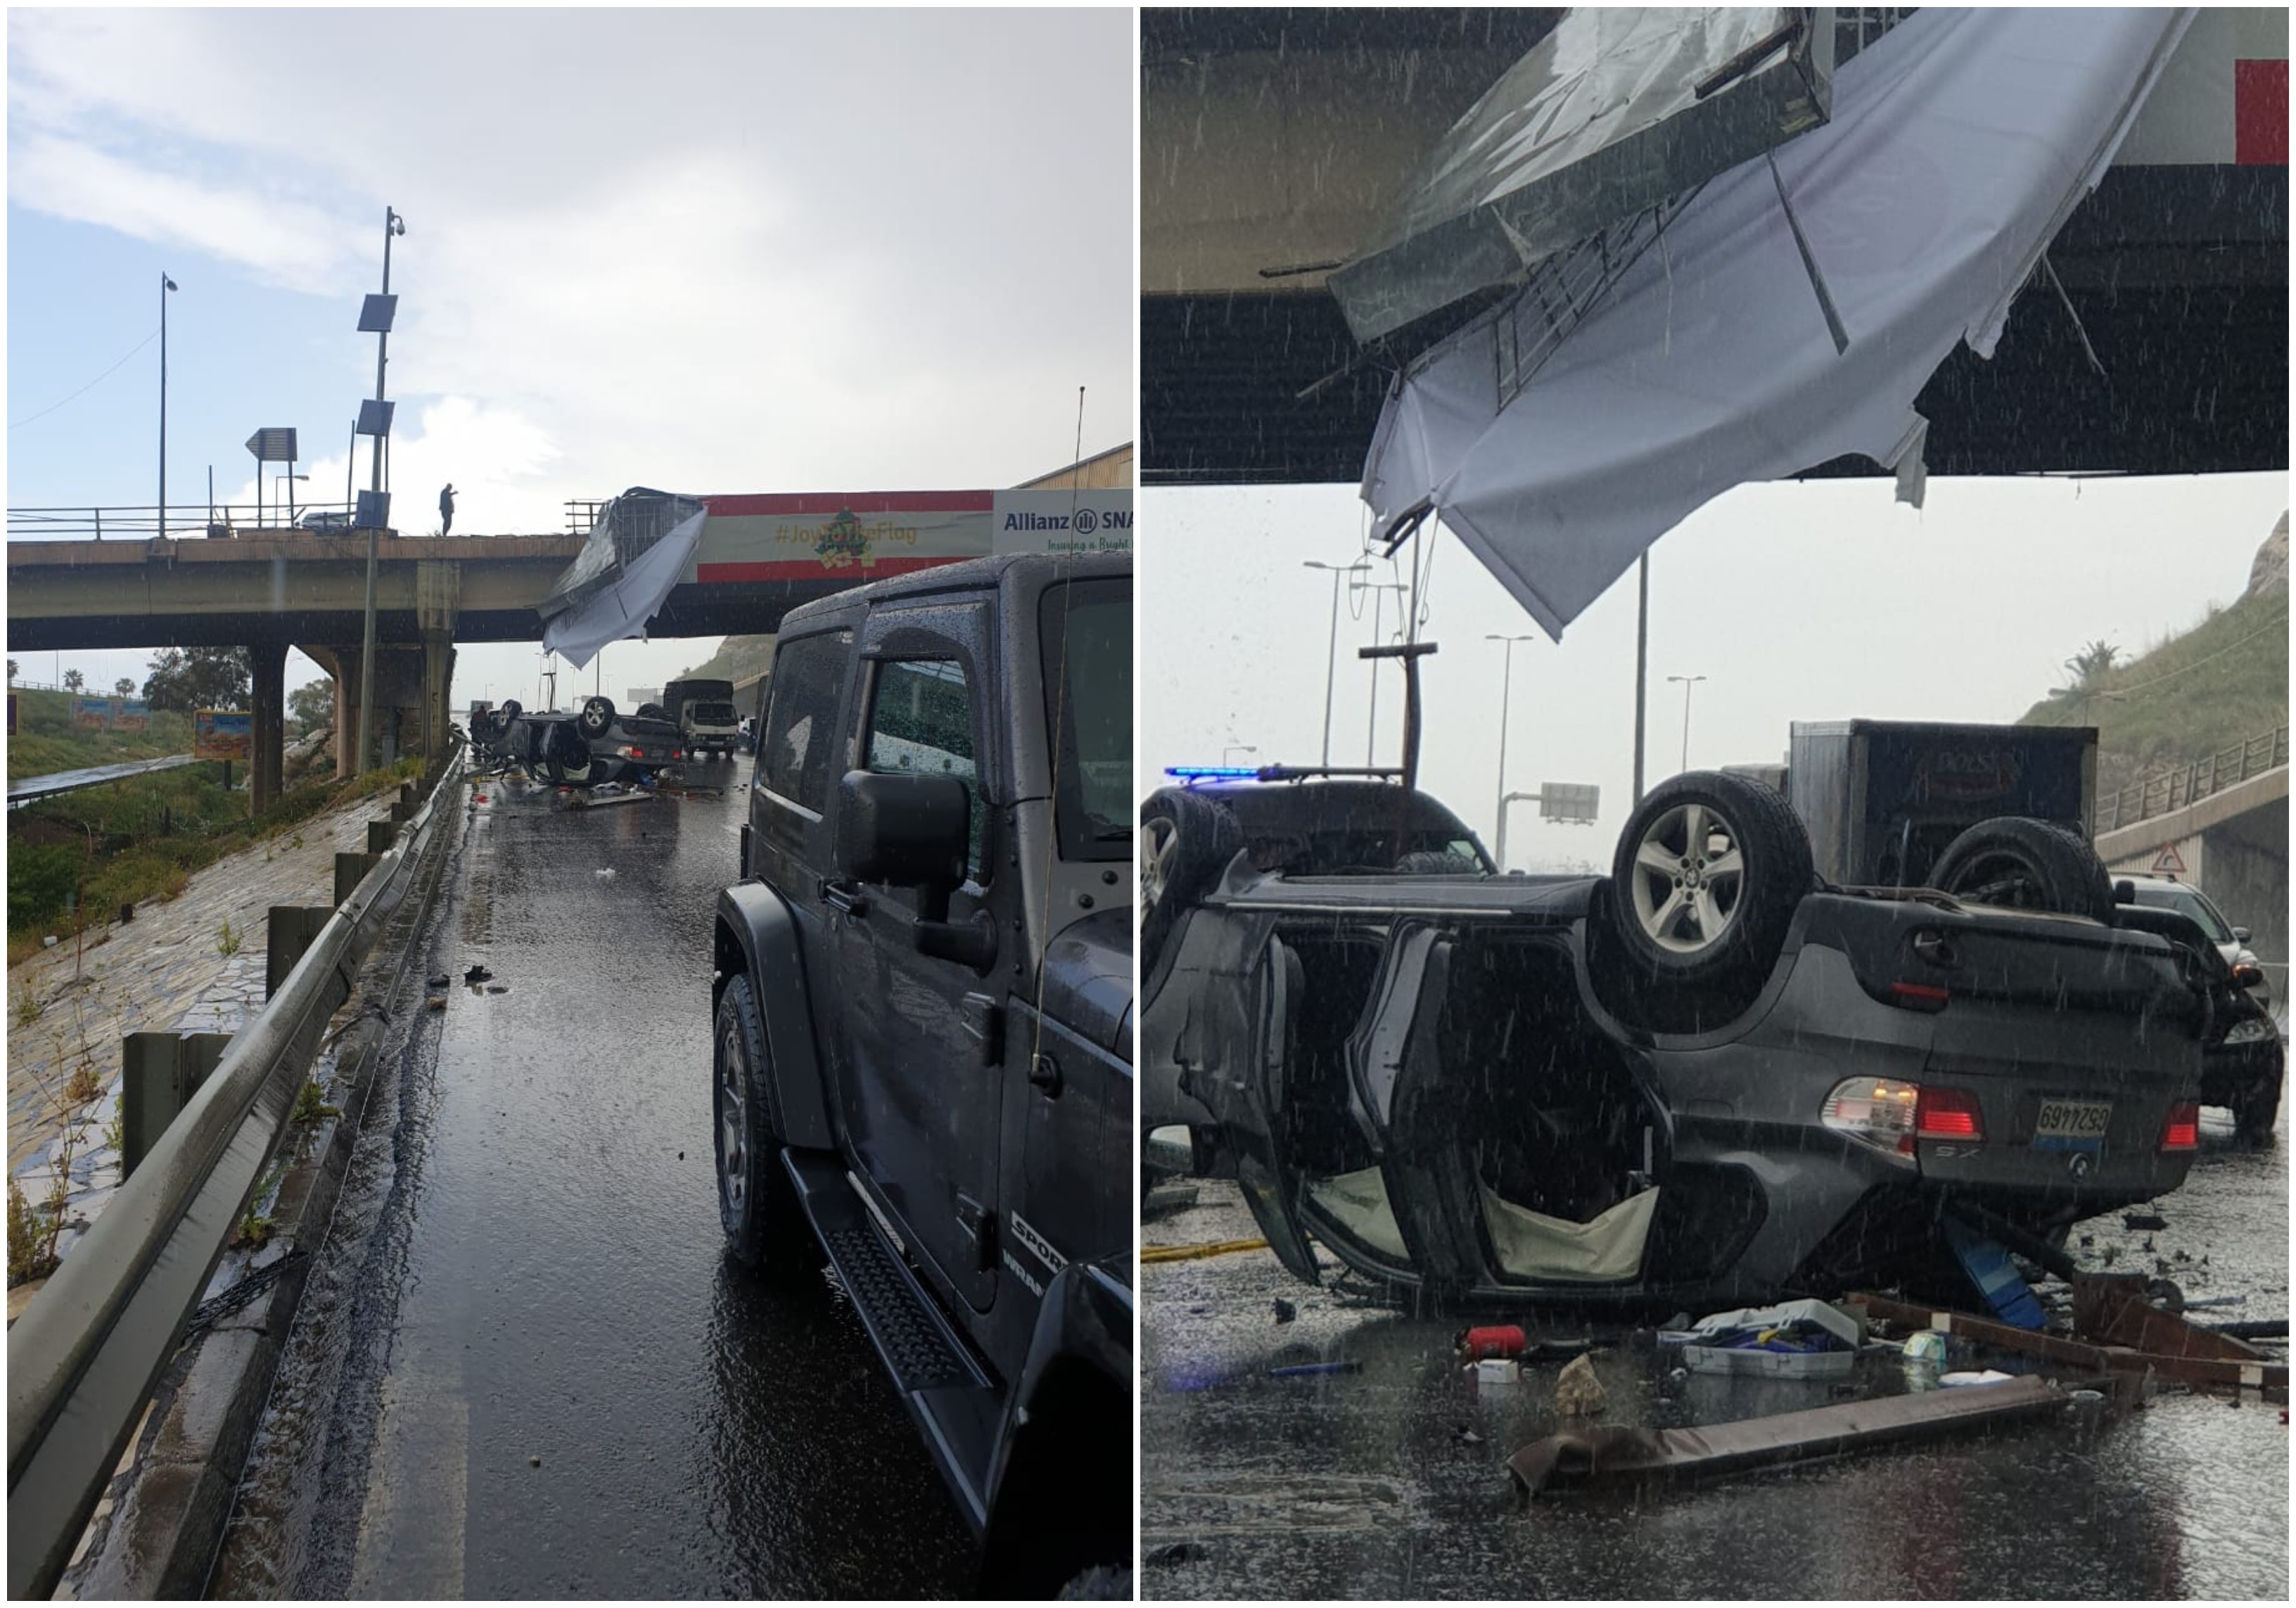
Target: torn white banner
623, 609
1960, 142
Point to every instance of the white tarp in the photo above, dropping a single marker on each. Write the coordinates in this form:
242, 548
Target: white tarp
1960, 142
623, 609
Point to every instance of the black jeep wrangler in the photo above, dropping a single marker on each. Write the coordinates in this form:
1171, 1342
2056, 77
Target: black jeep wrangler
924, 1027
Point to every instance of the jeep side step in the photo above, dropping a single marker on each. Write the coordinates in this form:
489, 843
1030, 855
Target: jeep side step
945, 1390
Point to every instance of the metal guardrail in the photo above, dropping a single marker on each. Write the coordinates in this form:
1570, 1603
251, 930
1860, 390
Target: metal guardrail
86, 1354
2159, 795
185, 521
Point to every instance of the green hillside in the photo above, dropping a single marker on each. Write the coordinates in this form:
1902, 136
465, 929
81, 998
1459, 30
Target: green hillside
737, 658
2216, 686
46, 741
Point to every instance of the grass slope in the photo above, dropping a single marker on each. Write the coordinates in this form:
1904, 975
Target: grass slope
2217, 684
46, 741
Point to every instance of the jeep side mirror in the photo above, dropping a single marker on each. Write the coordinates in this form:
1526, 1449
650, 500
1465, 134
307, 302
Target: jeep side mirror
2247, 975
902, 830
2241, 933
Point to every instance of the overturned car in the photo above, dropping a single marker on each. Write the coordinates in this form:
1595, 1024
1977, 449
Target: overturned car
1705, 1079
585, 750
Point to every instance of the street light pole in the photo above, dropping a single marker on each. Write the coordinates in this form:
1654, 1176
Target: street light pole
165, 285
1687, 682
1642, 667
1332, 654
392, 224
1379, 591
288, 480
1506, 688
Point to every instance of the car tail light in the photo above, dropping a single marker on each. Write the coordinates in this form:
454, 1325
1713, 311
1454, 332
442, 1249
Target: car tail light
1918, 995
1877, 1112
2182, 1130
1947, 1113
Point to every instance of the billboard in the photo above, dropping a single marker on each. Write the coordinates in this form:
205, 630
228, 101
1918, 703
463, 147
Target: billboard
863, 536
131, 714
92, 714
223, 735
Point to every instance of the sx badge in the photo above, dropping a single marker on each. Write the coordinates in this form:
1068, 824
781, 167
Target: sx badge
2080, 1164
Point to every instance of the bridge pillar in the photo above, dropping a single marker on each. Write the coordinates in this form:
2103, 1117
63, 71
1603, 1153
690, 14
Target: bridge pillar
438, 600
268, 661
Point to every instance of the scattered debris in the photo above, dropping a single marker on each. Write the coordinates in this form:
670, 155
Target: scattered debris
1284, 1310
1793, 1340
478, 974
1589, 1457
1499, 1371
1189, 1254
2133, 1220
1961, 1378
437, 1002
534, 1460
1465, 1436
605, 874
438, 982
495, 987
1578, 1392
1493, 1340
1305, 1370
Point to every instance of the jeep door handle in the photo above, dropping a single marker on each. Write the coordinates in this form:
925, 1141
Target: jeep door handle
844, 895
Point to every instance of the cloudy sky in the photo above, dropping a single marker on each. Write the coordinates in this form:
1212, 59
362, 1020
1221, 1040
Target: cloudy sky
1821, 600
706, 250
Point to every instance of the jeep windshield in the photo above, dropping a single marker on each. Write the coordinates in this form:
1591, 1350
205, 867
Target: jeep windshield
1085, 626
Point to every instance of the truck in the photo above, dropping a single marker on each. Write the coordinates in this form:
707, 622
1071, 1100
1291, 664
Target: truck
923, 1029
1883, 799
703, 709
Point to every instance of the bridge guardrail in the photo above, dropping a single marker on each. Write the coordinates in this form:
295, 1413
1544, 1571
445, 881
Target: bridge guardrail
2159, 795
86, 1354
185, 521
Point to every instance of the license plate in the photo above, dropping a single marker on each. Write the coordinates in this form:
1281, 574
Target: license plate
2072, 1125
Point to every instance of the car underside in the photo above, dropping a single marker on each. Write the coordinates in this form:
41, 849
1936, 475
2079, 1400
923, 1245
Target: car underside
1464, 1086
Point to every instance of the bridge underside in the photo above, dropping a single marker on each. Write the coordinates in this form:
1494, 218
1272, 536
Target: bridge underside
719, 610
2172, 272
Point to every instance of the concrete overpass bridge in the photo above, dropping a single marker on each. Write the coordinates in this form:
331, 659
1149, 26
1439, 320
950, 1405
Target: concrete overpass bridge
2220, 824
270, 591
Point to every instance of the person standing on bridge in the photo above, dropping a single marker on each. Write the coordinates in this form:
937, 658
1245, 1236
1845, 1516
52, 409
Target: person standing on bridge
446, 509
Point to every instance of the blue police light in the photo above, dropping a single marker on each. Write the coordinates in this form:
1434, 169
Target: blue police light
1211, 772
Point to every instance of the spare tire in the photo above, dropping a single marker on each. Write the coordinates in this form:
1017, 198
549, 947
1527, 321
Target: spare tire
1704, 884
1186, 840
509, 711
597, 715
2025, 865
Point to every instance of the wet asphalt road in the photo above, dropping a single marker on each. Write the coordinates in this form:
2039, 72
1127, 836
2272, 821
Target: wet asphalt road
1367, 1485
523, 1368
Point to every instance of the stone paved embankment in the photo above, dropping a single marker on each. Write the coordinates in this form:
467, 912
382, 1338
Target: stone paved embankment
164, 971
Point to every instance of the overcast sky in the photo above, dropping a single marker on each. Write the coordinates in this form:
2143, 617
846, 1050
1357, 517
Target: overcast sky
704, 251
1814, 601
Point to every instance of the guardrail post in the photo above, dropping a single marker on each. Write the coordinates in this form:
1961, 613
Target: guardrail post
381, 836
159, 1072
351, 871
287, 937
401, 811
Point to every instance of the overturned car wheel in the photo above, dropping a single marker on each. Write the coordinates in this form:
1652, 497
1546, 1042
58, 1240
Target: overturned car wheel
1185, 842
597, 715
1705, 883
2025, 865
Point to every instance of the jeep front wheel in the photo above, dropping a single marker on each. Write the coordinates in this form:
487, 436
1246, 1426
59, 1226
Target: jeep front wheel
766, 1228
